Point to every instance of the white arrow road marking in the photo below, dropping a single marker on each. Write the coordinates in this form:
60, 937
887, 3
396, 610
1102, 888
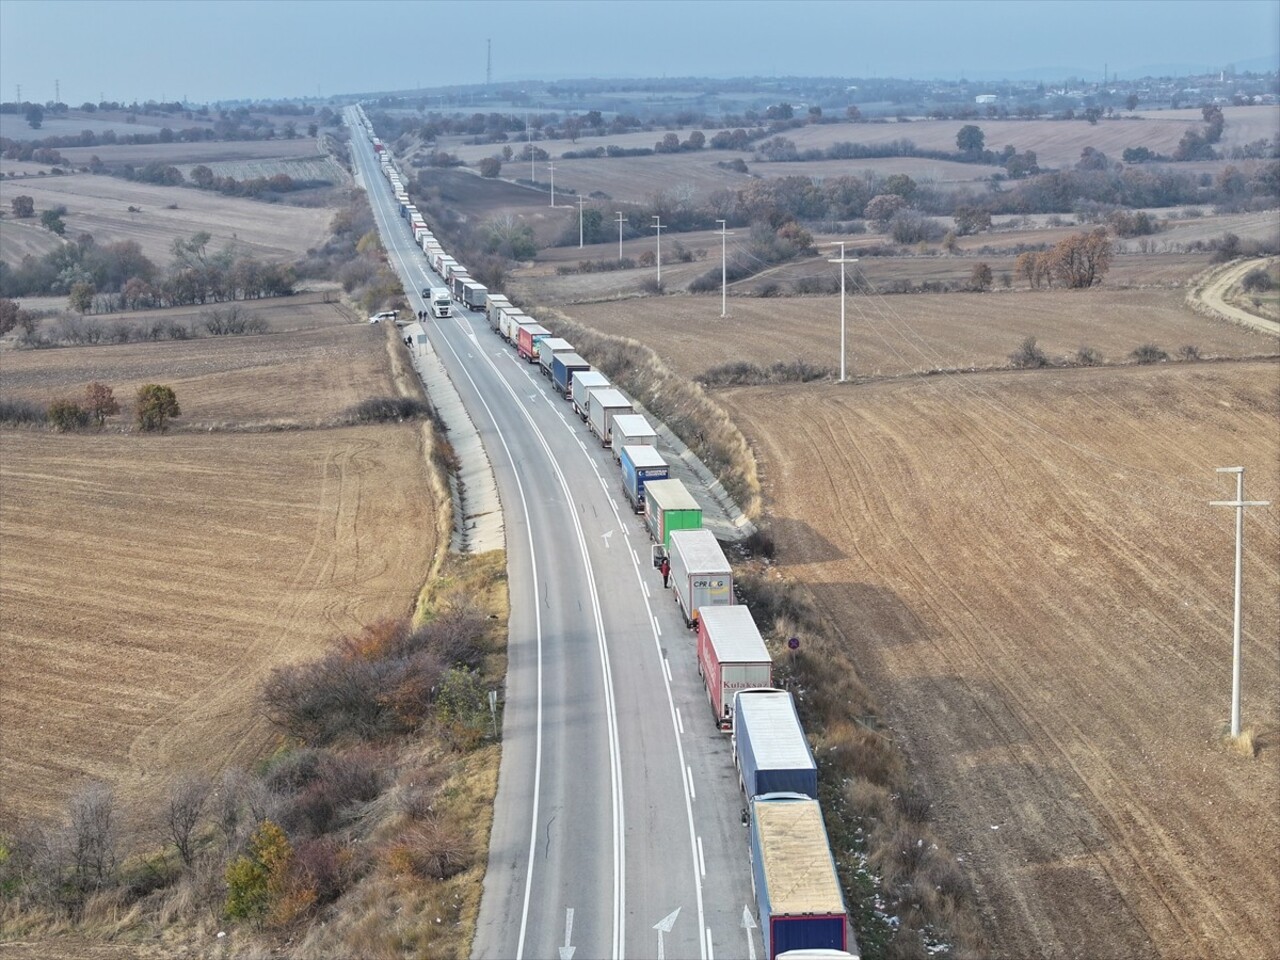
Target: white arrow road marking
566, 952
664, 926
749, 924
605, 537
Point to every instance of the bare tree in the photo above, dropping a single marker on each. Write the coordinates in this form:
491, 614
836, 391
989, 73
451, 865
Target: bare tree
91, 832
186, 805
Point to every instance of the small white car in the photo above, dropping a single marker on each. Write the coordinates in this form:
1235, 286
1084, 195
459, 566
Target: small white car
384, 315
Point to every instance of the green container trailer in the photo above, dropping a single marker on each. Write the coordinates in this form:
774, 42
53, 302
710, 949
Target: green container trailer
669, 506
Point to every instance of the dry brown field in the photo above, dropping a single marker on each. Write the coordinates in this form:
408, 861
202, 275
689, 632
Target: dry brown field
207, 151
896, 335
99, 205
1026, 570
317, 360
150, 582
21, 238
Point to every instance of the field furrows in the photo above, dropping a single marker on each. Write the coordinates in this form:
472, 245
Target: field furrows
182, 569
1037, 589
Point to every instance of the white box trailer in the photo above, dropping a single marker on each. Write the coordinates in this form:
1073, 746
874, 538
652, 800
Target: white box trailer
603, 404
581, 384
492, 303
547, 348
632, 430
509, 324
700, 573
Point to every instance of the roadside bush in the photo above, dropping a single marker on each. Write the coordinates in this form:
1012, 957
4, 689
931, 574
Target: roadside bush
390, 409
340, 783
1148, 353
741, 372
652, 286
232, 321
257, 879
770, 288
68, 415
1029, 355
815, 285
1189, 352
1257, 280
1086, 356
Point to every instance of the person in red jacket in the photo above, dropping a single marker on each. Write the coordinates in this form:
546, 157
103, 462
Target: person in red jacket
665, 567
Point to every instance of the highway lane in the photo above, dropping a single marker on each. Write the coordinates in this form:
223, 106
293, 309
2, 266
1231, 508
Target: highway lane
617, 827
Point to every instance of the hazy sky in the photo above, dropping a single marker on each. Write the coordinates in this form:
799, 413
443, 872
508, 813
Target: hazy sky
230, 49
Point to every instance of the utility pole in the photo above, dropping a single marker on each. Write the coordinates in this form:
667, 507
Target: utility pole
658, 226
842, 261
1239, 503
488, 64
528, 135
581, 201
57, 91
552, 167
723, 272
621, 221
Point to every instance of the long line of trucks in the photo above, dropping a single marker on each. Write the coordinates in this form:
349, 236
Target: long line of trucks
799, 903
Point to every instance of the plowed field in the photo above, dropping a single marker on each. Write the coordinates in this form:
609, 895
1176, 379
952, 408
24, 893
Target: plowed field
1026, 569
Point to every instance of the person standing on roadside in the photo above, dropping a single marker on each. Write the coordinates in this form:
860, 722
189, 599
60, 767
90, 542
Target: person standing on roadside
666, 572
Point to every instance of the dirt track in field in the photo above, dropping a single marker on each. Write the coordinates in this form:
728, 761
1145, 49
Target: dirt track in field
1027, 573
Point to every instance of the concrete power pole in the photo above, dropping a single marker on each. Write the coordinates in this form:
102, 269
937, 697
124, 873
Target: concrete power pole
842, 261
1239, 503
552, 168
621, 221
658, 226
581, 201
488, 64
724, 275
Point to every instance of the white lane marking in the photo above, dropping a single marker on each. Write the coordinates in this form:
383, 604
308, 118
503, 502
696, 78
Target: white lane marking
664, 926
679, 721
646, 589
657, 627
693, 793
711, 954
702, 861
666, 667
566, 952
749, 924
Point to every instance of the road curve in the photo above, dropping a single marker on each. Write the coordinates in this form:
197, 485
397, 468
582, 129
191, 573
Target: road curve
1211, 294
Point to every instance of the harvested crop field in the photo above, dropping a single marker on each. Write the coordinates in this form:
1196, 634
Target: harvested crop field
99, 205
316, 360
150, 583
894, 335
1027, 572
198, 151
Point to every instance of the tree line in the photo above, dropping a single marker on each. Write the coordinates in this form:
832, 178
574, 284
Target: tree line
118, 276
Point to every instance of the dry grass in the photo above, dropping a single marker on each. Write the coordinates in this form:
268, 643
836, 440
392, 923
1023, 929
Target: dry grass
1246, 744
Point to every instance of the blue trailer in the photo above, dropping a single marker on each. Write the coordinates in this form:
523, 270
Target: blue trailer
769, 746
563, 367
640, 464
794, 875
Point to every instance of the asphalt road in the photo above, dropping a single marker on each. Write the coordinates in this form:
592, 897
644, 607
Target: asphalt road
618, 821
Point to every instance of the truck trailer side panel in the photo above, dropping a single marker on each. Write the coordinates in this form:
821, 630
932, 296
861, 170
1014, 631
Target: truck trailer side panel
769, 745
700, 574
668, 506
640, 465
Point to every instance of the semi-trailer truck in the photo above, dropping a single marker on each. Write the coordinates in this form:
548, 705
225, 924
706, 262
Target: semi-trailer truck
548, 347
731, 653
640, 465
796, 886
493, 302
603, 404
700, 575
474, 294
770, 751
581, 385
563, 367
441, 302
632, 429
668, 506
527, 337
